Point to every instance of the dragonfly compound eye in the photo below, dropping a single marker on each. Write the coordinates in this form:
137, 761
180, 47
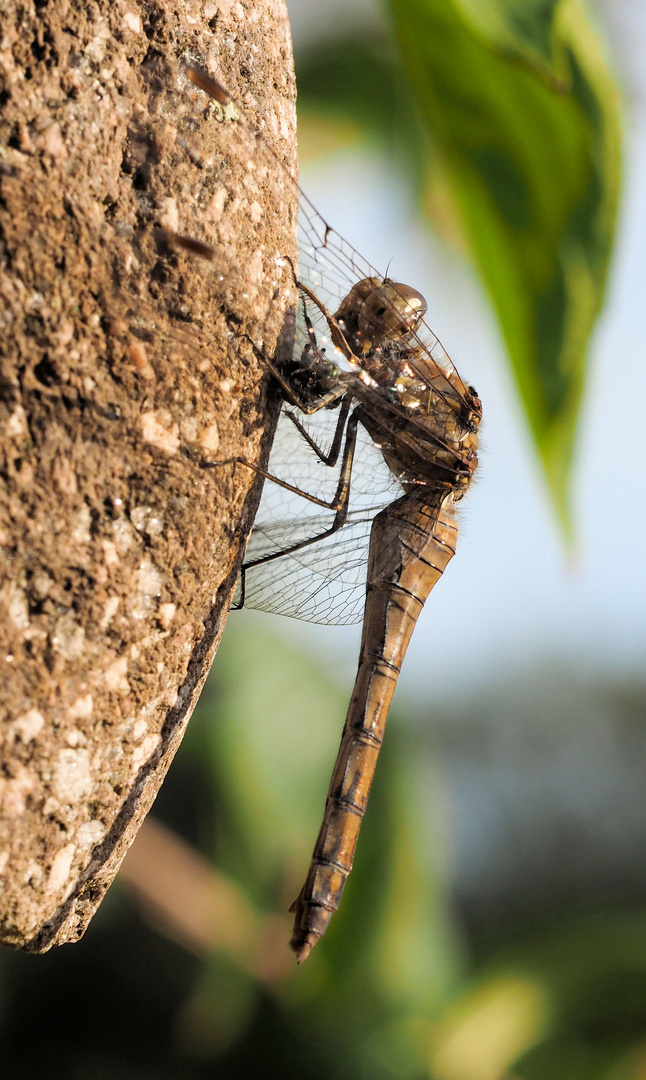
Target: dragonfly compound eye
390, 310
376, 310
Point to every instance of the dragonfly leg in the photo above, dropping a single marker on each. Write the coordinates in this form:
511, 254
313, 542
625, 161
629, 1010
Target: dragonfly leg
306, 407
338, 336
327, 504
205, 251
330, 458
340, 503
341, 496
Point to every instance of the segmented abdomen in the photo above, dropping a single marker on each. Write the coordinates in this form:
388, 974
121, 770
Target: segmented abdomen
411, 543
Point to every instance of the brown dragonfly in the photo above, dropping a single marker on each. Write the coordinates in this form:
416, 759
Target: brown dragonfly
395, 416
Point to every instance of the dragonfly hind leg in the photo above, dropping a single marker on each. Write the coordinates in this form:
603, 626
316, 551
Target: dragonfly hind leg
339, 504
343, 487
330, 456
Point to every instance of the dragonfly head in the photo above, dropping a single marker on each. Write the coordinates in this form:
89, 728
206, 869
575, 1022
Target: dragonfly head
375, 311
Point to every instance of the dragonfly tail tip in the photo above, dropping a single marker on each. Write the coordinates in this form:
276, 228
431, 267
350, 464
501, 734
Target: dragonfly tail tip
302, 948
303, 940
303, 953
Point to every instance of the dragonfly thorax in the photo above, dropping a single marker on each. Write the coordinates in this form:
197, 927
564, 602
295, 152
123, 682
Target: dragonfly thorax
311, 375
375, 311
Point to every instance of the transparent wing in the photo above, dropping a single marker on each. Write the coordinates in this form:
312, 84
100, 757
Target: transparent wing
323, 581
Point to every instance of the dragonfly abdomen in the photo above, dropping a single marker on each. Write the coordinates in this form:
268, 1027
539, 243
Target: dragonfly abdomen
407, 558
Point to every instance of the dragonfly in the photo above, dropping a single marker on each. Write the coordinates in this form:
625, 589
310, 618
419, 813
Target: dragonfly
391, 403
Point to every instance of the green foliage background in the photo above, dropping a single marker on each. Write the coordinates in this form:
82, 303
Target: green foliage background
398, 988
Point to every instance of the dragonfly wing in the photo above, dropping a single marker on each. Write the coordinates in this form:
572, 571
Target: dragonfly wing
322, 581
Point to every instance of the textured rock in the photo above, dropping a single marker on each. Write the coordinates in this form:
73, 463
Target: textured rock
120, 369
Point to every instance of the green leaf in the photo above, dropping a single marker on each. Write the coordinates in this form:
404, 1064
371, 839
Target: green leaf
526, 30
534, 166
516, 159
272, 748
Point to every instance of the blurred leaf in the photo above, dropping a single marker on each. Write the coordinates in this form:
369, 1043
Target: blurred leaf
359, 88
525, 30
483, 1033
518, 157
220, 1009
534, 166
418, 960
591, 971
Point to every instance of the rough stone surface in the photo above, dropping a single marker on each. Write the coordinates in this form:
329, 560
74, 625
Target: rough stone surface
121, 369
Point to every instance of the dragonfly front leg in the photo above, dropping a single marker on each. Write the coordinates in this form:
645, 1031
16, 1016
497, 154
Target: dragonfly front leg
313, 403
307, 404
